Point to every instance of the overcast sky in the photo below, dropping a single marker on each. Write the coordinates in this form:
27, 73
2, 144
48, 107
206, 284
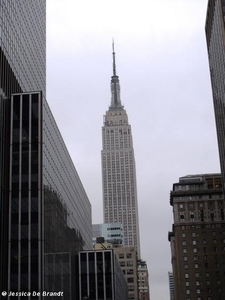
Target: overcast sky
162, 64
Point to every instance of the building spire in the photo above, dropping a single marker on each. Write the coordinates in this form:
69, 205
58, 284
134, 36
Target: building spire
114, 59
115, 85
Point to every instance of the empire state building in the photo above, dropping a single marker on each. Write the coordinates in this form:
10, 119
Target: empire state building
120, 202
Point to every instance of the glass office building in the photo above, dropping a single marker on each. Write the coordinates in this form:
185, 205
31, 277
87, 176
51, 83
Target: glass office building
45, 215
49, 214
215, 37
112, 233
22, 68
22, 46
100, 276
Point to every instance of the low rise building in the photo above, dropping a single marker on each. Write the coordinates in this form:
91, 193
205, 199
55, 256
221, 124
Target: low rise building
127, 257
100, 276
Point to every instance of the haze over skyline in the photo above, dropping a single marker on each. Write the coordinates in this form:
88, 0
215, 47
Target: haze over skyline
162, 63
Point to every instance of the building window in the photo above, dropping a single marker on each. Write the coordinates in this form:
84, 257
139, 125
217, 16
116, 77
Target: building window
188, 292
122, 263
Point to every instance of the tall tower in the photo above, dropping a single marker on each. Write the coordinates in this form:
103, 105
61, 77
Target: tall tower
118, 168
215, 37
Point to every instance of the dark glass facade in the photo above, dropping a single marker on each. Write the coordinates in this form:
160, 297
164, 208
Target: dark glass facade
215, 36
22, 68
100, 276
49, 214
45, 215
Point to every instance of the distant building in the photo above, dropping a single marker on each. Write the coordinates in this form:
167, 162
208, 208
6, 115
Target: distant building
171, 285
100, 276
127, 257
215, 37
120, 202
198, 238
143, 282
101, 244
112, 233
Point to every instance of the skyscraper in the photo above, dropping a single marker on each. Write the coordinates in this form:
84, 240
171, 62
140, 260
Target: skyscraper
118, 168
22, 46
22, 68
215, 37
197, 239
45, 214
48, 214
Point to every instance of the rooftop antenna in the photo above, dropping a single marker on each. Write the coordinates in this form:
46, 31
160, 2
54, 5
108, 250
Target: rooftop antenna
114, 59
